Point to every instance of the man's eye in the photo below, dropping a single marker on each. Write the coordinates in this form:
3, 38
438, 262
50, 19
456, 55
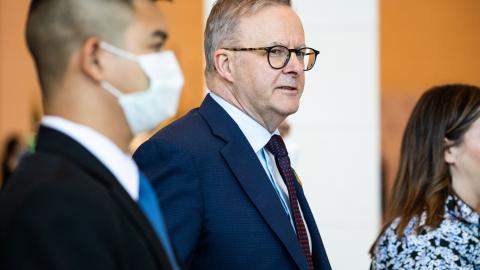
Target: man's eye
300, 53
157, 47
276, 51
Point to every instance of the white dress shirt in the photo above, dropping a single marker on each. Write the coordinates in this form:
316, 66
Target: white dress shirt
258, 137
120, 164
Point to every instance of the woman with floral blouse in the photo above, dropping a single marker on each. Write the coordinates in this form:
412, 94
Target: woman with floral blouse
434, 217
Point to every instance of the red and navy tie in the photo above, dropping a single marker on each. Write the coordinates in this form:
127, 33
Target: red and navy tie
276, 146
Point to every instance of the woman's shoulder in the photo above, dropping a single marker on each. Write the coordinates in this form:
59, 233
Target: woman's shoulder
454, 244
392, 251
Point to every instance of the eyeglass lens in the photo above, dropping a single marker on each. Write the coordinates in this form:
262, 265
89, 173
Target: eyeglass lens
279, 56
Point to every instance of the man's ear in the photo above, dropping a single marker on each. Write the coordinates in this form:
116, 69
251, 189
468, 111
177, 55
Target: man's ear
450, 153
222, 59
89, 59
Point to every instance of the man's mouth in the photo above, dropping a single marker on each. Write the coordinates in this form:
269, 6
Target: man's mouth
287, 87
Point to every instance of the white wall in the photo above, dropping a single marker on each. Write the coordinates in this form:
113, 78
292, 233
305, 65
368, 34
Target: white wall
337, 127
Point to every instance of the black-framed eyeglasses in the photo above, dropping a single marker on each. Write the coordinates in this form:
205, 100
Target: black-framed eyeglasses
278, 55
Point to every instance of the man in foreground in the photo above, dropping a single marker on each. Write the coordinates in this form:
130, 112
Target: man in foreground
80, 202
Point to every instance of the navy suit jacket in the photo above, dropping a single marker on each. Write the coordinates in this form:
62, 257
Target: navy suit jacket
63, 209
220, 207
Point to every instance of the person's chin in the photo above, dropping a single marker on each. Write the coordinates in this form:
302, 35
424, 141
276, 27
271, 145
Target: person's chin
288, 108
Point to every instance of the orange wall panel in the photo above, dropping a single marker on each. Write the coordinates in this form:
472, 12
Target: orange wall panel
428, 42
422, 43
19, 92
185, 22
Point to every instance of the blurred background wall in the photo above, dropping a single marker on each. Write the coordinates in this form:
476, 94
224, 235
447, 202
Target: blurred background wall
19, 94
422, 43
376, 58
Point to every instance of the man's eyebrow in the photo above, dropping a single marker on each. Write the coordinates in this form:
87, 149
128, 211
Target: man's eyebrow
276, 44
281, 44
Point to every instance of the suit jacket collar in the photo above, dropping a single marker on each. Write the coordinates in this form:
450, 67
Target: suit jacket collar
119, 163
249, 172
319, 255
257, 135
54, 142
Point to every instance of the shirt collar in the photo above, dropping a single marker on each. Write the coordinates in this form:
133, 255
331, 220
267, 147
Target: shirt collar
456, 207
120, 164
256, 134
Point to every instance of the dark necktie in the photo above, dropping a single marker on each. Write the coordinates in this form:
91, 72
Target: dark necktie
149, 204
279, 151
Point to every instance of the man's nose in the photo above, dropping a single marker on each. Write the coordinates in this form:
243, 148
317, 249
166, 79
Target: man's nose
294, 64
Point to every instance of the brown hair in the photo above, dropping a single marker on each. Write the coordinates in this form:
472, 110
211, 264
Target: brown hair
223, 20
423, 180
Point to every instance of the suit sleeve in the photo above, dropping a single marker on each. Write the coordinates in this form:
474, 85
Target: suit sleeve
58, 229
175, 180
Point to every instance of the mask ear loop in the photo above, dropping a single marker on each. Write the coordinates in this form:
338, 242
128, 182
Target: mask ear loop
111, 89
121, 53
118, 52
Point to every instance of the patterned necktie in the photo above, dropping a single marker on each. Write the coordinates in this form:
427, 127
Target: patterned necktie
279, 151
149, 204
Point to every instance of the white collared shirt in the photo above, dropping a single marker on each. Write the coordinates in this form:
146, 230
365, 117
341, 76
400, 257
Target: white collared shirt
120, 164
258, 137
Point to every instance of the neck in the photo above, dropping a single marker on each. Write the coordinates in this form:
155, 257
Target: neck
467, 192
100, 113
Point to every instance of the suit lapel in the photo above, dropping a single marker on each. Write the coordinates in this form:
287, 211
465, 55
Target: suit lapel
144, 227
249, 172
57, 143
320, 259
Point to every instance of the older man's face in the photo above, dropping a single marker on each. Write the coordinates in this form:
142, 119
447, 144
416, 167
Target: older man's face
263, 91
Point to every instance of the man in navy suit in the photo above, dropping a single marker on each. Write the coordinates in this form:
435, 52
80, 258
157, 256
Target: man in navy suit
231, 198
79, 201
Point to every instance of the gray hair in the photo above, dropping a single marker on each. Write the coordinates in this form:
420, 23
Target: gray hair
223, 20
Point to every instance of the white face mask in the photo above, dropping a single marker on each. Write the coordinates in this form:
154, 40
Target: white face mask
145, 110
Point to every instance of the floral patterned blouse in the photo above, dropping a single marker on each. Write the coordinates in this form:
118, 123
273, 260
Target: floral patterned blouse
455, 244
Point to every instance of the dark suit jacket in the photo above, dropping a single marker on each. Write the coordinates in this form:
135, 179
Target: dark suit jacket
62, 209
220, 207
